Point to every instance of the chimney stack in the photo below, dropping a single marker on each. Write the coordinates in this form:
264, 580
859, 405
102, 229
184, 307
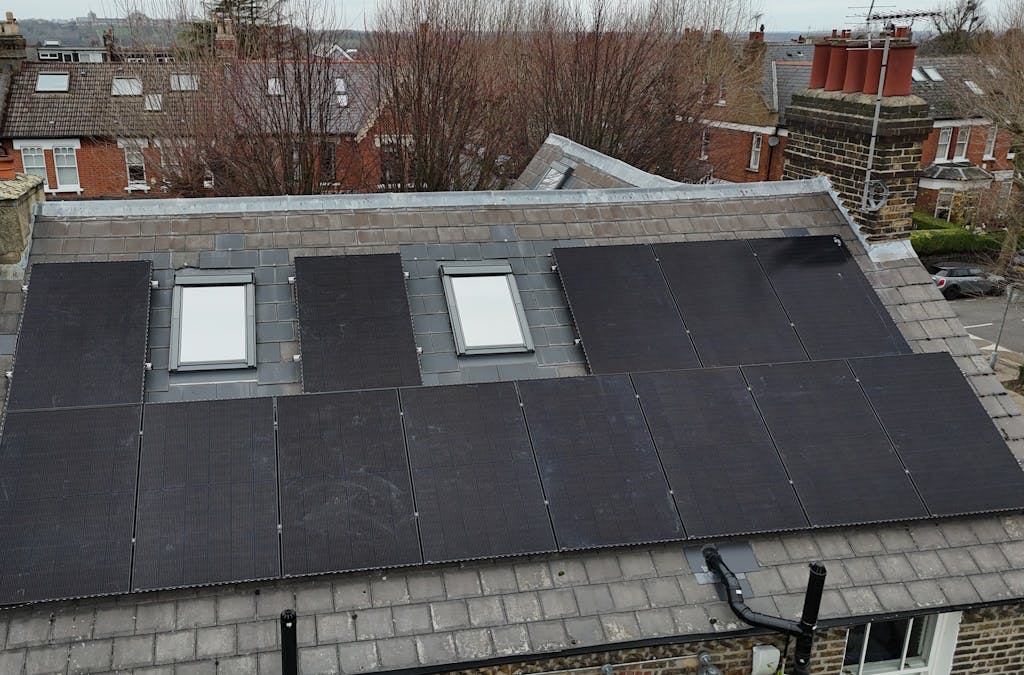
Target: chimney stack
831, 124
12, 42
225, 44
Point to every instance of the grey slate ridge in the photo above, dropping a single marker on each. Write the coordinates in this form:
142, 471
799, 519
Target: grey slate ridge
514, 608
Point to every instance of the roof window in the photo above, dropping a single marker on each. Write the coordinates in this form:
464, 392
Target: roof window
555, 178
274, 87
341, 92
917, 75
184, 82
126, 86
932, 74
485, 308
973, 86
52, 81
153, 102
213, 321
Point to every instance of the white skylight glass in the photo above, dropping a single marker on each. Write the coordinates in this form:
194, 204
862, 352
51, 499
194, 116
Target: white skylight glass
973, 86
153, 102
487, 311
554, 179
917, 75
126, 86
52, 81
932, 74
213, 324
274, 87
184, 82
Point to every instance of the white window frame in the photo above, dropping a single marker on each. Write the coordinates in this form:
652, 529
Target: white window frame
486, 268
944, 204
941, 643
53, 144
963, 140
61, 154
53, 88
942, 149
41, 153
755, 152
990, 142
184, 82
213, 278
126, 86
132, 151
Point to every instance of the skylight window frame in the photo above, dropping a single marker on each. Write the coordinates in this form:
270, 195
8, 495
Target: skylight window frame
53, 89
933, 74
129, 86
917, 76
555, 178
179, 81
488, 268
973, 86
194, 278
275, 86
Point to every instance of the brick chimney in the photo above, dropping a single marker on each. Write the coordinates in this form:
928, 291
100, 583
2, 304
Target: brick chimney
225, 44
12, 42
831, 125
19, 193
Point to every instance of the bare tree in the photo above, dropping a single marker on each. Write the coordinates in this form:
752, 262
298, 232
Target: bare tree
275, 115
472, 89
959, 25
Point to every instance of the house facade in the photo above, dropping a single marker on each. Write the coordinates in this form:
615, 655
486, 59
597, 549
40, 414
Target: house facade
966, 160
136, 130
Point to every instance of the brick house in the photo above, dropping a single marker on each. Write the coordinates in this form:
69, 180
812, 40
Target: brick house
93, 130
963, 157
933, 595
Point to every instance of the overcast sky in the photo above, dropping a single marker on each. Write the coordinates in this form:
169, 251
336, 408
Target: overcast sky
779, 15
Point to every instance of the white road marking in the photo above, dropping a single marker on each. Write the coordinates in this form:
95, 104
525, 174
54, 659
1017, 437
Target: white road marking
981, 325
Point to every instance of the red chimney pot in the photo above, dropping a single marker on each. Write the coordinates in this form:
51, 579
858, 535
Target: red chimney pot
873, 70
856, 61
898, 72
836, 67
819, 67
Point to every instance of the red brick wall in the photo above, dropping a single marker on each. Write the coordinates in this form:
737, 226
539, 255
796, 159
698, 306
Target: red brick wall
975, 147
729, 154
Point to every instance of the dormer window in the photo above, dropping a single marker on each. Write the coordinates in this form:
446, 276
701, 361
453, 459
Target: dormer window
274, 87
52, 82
126, 86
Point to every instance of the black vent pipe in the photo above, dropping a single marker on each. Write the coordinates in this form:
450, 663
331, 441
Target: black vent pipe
802, 630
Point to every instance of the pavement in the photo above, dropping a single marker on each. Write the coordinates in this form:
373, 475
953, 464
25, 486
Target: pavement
982, 317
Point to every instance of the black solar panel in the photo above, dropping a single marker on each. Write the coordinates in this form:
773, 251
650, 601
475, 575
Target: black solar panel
957, 458
844, 468
478, 492
730, 309
598, 464
67, 502
207, 494
726, 476
623, 309
346, 498
83, 335
836, 312
354, 323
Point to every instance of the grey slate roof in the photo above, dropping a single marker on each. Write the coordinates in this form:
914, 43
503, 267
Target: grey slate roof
590, 169
949, 98
513, 608
786, 72
87, 109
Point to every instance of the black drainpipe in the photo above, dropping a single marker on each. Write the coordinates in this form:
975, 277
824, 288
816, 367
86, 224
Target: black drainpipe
802, 630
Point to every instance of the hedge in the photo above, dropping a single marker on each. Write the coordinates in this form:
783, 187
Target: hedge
954, 240
923, 221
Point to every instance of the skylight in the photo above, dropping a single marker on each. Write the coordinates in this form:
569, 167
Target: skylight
212, 325
274, 87
932, 74
485, 308
917, 75
153, 102
184, 82
52, 81
973, 86
126, 86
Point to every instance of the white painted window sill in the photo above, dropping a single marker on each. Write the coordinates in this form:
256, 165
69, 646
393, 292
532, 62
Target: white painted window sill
137, 188
77, 189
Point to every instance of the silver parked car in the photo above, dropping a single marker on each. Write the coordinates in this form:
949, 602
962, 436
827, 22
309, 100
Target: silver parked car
955, 279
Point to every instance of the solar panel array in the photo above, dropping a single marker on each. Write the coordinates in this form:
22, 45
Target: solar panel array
395, 477
723, 303
143, 497
354, 323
